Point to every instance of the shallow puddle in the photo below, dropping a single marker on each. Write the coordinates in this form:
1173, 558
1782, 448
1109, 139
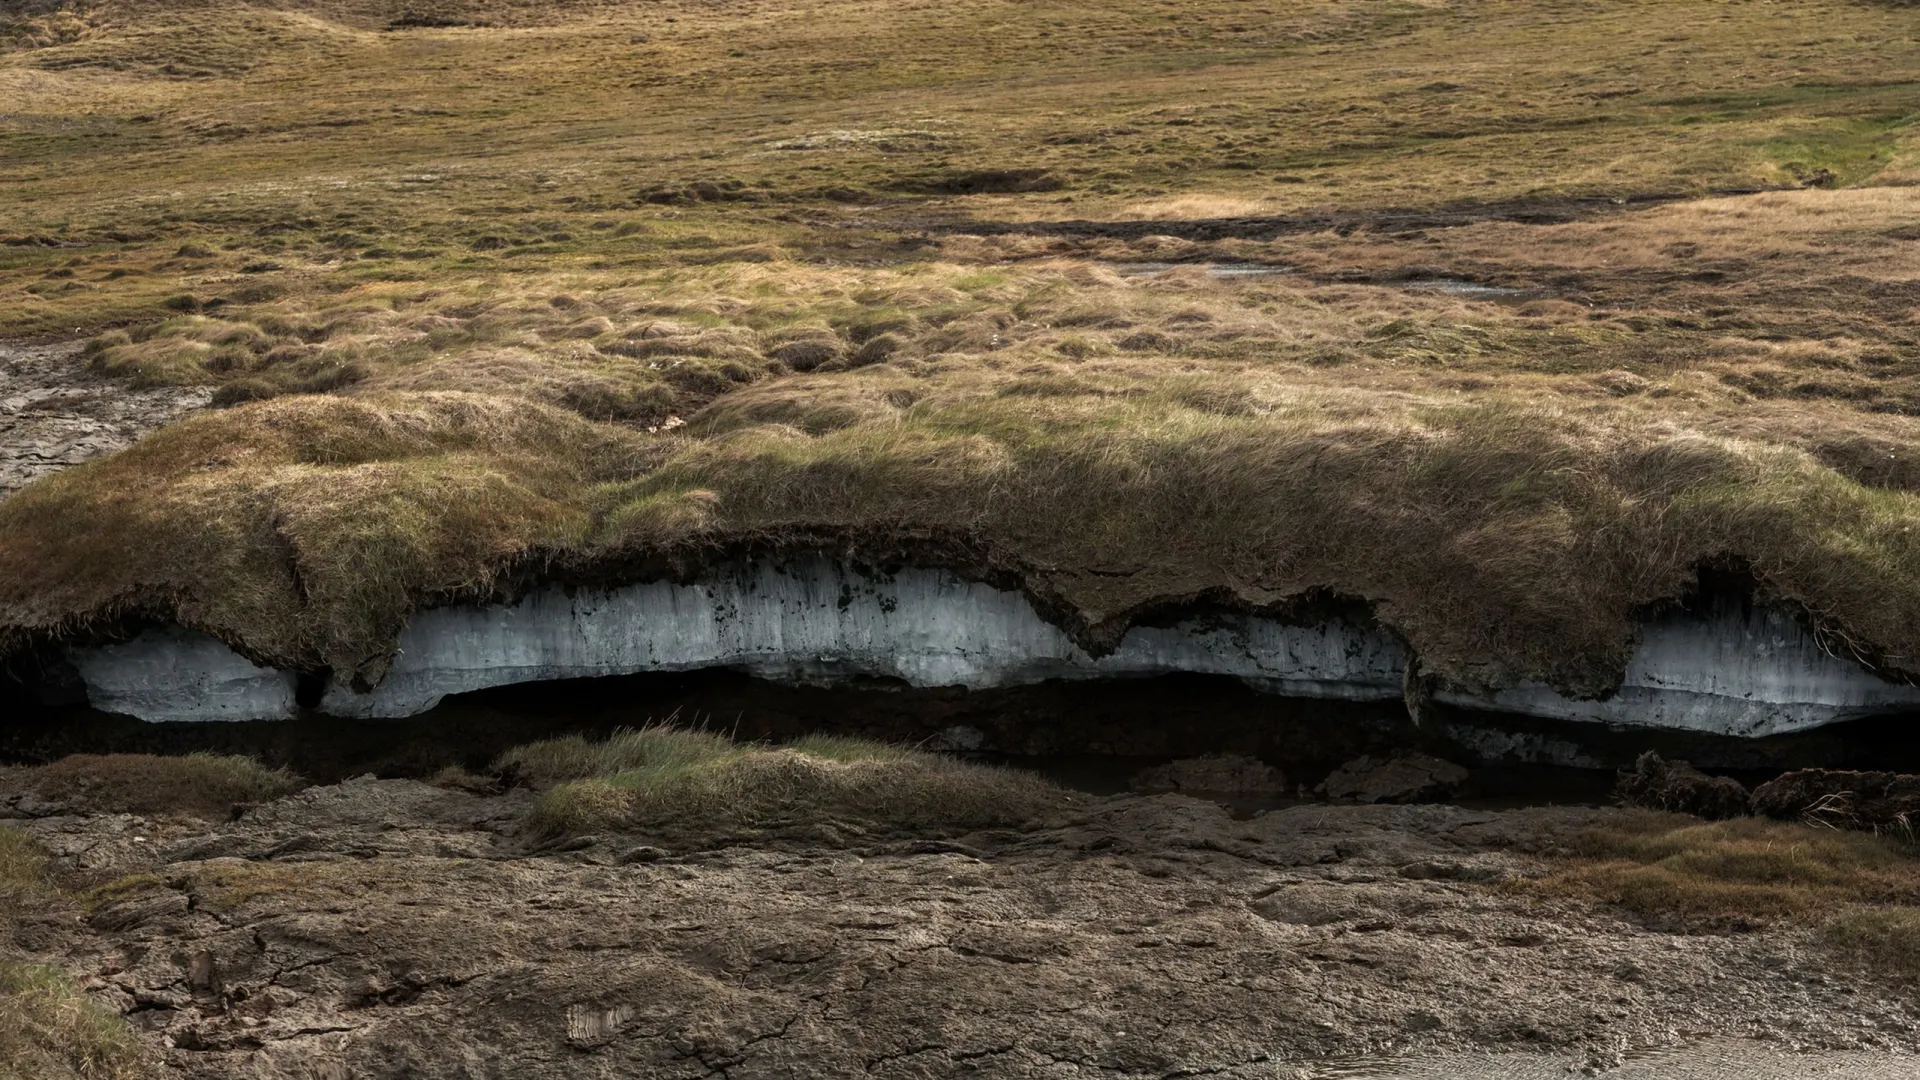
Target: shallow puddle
1474, 290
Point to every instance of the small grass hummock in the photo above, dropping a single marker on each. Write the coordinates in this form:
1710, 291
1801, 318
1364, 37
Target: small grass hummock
201, 784
1673, 870
23, 870
668, 777
1884, 940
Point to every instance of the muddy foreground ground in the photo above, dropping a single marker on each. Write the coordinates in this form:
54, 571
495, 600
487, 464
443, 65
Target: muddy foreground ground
386, 928
55, 413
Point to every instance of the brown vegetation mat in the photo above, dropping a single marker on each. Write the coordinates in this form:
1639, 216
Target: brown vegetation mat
671, 780
202, 784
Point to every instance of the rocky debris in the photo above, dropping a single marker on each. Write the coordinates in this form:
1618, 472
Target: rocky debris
1655, 783
384, 928
1407, 778
1836, 797
1220, 773
55, 413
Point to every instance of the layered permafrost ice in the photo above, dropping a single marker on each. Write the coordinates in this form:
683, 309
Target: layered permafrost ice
1737, 669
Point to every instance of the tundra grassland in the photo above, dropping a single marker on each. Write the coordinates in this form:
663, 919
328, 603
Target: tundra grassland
1135, 301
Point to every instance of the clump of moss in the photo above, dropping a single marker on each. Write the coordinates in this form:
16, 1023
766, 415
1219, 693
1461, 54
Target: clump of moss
672, 778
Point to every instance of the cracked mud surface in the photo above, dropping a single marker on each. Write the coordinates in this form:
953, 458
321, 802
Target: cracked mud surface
55, 413
386, 928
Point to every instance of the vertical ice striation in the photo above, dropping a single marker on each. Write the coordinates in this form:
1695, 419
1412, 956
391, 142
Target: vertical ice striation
814, 620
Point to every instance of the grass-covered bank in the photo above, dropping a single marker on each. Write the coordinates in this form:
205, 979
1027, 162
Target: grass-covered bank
1505, 539
485, 291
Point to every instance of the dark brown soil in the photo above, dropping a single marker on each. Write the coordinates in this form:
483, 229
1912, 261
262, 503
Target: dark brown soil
1675, 786
1854, 799
388, 928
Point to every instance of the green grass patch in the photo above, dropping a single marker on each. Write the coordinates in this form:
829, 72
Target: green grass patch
23, 869
1884, 940
49, 1030
1842, 152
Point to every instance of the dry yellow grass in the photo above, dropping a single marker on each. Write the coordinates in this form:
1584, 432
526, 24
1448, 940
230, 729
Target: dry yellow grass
1861, 891
1672, 869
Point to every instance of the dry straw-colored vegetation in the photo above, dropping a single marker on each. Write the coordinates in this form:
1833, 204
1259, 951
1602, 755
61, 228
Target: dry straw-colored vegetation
667, 778
488, 288
1860, 890
1663, 866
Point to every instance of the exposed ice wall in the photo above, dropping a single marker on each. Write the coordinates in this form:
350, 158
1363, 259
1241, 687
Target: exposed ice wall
1736, 670
813, 620
175, 674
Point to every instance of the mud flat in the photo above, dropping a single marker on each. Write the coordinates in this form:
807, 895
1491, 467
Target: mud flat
1726, 668
391, 928
54, 413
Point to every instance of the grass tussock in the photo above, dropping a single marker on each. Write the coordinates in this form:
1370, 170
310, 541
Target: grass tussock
1678, 872
49, 1030
694, 781
203, 784
23, 869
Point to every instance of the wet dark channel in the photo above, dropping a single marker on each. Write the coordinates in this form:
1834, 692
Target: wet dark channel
1092, 736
